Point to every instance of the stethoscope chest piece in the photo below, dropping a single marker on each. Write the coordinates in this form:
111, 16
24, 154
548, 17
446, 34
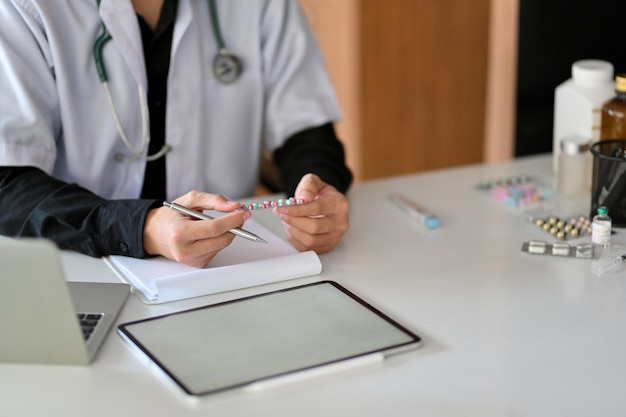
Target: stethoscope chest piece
226, 67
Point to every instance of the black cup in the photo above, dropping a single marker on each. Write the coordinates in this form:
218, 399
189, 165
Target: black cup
608, 187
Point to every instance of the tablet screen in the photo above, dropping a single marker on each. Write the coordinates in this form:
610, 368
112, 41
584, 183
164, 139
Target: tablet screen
236, 343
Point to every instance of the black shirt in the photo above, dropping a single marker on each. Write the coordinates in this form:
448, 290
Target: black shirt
156, 51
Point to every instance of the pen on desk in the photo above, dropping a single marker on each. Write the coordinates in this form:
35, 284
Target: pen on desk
237, 231
419, 213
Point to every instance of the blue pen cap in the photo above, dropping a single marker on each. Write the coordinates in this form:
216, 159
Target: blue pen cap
431, 222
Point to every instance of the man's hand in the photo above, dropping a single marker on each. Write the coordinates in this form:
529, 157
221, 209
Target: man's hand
188, 240
320, 223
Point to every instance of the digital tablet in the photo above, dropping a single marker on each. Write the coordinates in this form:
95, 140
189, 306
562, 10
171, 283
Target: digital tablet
277, 336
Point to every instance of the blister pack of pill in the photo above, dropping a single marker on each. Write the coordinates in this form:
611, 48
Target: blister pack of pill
564, 228
563, 250
516, 191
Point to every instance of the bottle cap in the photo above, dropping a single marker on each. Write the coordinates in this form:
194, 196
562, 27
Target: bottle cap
574, 145
603, 210
590, 72
620, 82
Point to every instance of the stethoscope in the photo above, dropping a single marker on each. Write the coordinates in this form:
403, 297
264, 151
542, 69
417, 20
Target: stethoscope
226, 68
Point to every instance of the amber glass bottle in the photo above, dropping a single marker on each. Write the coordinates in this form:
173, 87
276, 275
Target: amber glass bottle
613, 121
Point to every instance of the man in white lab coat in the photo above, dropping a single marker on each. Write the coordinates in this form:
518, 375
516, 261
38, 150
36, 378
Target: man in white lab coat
66, 172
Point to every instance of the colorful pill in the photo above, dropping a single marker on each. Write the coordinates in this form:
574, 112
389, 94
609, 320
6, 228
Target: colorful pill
269, 204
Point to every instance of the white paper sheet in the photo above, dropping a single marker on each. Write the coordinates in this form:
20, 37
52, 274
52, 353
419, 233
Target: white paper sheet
243, 264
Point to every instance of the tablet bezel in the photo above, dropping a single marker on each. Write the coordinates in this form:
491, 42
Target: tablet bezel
414, 340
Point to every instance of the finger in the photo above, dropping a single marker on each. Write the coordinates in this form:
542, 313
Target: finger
310, 225
303, 241
308, 187
200, 240
201, 252
329, 203
198, 200
185, 231
314, 208
207, 229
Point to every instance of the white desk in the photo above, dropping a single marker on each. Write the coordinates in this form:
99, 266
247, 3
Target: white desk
505, 333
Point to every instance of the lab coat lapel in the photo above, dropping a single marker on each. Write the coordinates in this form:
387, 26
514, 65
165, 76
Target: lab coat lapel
183, 21
121, 20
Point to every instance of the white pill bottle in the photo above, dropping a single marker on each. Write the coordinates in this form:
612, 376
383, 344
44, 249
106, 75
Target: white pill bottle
578, 103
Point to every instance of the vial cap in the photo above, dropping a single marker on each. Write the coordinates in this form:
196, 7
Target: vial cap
603, 210
574, 145
620, 82
592, 71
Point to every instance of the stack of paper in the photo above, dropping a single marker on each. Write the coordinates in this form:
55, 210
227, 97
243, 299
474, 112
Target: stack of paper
242, 264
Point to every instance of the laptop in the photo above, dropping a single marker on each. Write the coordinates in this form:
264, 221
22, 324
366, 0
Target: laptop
43, 318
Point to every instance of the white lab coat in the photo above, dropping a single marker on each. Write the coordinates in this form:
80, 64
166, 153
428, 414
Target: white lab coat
54, 114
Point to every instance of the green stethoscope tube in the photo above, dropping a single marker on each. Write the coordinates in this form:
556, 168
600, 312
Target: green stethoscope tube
226, 68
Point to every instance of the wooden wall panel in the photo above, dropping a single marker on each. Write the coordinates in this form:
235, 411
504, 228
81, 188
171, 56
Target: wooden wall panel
335, 23
411, 77
422, 83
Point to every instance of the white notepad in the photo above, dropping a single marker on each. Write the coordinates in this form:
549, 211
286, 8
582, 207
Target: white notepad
243, 264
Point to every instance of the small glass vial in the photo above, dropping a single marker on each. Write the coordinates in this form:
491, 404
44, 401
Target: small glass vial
601, 228
574, 166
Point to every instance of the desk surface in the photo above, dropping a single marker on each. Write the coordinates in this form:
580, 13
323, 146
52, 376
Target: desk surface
505, 333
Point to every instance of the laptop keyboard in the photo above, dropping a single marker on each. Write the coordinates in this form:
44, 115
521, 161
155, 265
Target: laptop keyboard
88, 322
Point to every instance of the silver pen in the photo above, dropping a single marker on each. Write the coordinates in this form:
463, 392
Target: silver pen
237, 231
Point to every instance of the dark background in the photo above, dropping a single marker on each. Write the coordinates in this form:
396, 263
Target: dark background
553, 34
